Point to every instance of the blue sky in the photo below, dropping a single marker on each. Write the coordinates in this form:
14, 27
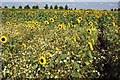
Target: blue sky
84, 4
59, 0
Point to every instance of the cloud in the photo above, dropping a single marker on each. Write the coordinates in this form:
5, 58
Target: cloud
70, 0
111, 4
37, 0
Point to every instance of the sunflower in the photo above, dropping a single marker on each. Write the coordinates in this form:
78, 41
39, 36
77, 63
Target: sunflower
116, 31
56, 48
78, 21
9, 32
73, 26
32, 27
93, 41
46, 22
3, 39
88, 37
51, 19
55, 33
0, 33
80, 18
90, 45
91, 27
74, 39
15, 26
113, 24
87, 12
89, 31
60, 26
24, 45
49, 54
90, 23
55, 17
42, 60
7, 23
36, 23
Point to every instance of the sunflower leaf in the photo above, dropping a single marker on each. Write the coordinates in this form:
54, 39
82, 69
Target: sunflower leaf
87, 63
90, 55
63, 56
76, 65
75, 74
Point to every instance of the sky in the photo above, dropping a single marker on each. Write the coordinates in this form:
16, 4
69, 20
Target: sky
79, 4
59, 0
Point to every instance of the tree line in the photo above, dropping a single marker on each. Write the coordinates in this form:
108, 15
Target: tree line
56, 7
115, 9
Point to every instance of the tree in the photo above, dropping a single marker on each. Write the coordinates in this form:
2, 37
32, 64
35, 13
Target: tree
27, 7
111, 9
74, 8
55, 7
66, 7
51, 7
20, 7
118, 9
13, 7
115, 9
71, 9
46, 6
5, 7
61, 8
37, 7
34, 7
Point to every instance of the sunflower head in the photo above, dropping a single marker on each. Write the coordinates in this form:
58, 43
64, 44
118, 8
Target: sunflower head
36, 23
32, 27
91, 27
60, 26
90, 46
3, 39
49, 54
7, 23
55, 16
51, 19
78, 21
113, 24
116, 31
90, 23
46, 22
87, 12
93, 41
89, 31
42, 60
15, 26
73, 26
80, 18
9, 32
56, 48
24, 45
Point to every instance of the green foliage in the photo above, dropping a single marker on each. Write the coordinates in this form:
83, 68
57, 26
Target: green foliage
63, 42
55, 7
27, 7
13, 7
61, 8
66, 7
20, 7
51, 7
46, 6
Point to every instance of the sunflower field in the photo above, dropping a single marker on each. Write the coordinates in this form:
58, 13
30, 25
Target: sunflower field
67, 44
